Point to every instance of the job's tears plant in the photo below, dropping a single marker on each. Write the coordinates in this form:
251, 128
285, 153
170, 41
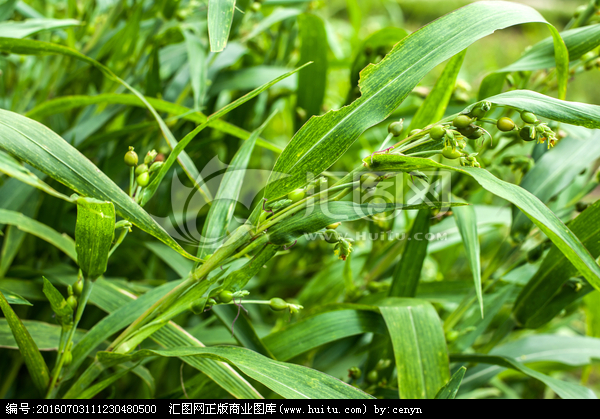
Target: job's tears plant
394, 318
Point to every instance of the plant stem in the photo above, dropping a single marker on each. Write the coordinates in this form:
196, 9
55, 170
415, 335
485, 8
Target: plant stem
131, 177
421, 153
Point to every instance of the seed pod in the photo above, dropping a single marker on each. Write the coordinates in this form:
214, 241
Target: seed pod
155, 166
395, 128
437, 132
354, 373
225, 296
331, 236
262, 217
150, 157
78, 287
527, 133
142, 168
143, 179
72, 302
477, 134
505, 124
528, 117
451, 335
67, 358
468, 130
131, 158
372, 377
278, 304
461, 121
296, 195
450, 153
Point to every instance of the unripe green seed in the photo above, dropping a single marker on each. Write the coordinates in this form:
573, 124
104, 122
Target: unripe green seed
527, 132
505, 124
372, 377
461, 121
437, 132
477, 134
331, 236
72, 302
131, 158
278, 304
78, 287
67, 358
395, 128
451, 335
354, 372
450, 153
468, 130
142, 168
256, 6
156, 166
369, 180
225, 296
263, 216
143, 179
297, 195
478, 112
150, 156
528, 117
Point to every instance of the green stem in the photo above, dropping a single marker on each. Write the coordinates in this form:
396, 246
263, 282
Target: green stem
119, 241
131, 177
422, 153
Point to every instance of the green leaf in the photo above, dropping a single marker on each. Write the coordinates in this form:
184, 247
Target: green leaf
466, 221
322, 140
40, 147
578, 41
197, 62
288, 380
29, 47
537, 212
118, 302
65, 103
408, 271
31, 226
91, 391
12, 168
149, 191
38, 370
592, 314
436, 102
7, 8
313, 80
555, 171
94, 233
46, 336
533, 306
564, 389
63, 311
14, 299
29, 27
14, 237
451, 387
222, 208
573, 113
220, 16
323, 328
277, 16
419, 346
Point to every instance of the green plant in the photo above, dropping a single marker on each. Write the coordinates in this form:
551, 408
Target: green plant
331, 238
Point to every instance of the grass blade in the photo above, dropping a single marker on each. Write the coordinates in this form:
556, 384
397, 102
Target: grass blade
451, 387
220, 16
38, 370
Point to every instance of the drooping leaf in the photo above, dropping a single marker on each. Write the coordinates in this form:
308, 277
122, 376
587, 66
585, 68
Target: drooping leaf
451, 387
45, 335
63, 311
28, 27
31, 226
564, 389
220, 16
38, 370
533, 306
94, 233
14, 299
546, 220
40, 147
288, 380
323, 328
197, 61
322, 140
419, 346
574, 113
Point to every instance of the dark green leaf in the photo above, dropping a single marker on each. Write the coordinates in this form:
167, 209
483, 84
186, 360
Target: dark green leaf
451, 387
